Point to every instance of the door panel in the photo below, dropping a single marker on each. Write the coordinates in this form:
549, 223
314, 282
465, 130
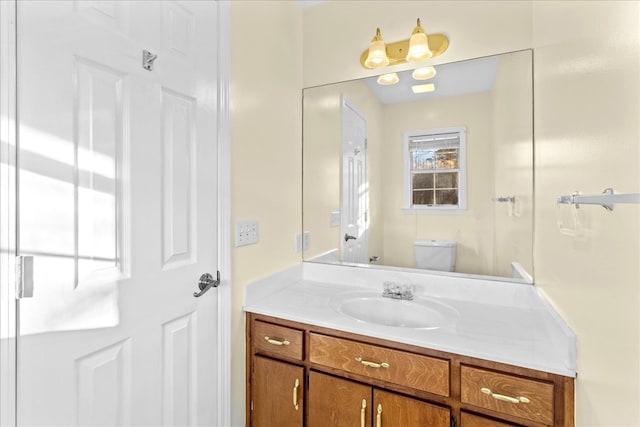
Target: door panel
117, 203
178, 207
273, 390
394, 410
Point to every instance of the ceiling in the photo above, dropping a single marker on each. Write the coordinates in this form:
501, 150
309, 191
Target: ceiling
457, 78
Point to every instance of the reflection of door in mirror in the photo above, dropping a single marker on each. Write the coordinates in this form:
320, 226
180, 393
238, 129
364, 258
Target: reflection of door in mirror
355, 188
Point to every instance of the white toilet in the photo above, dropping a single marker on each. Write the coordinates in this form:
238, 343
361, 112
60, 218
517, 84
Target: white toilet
435, 254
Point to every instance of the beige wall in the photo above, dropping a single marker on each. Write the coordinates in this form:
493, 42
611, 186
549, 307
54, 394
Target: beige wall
512, 136
337, 32
587, 96
472, 230
266, 152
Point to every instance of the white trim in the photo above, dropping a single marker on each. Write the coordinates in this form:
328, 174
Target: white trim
224, 213
434, 210
461, 209
8, 189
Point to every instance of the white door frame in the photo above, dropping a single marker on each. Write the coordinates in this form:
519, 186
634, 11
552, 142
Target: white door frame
363, 241
224, 212
7, 213
8, 224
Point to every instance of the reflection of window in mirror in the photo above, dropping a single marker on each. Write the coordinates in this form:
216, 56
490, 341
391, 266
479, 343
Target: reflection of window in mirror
434, 171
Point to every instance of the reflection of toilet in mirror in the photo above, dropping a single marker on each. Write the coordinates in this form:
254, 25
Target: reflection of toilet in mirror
435, 254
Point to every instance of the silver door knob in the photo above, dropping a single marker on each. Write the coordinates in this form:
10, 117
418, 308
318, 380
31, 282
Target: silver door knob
348, 237
207, 282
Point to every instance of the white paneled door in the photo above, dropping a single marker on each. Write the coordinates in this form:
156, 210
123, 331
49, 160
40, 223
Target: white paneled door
117, 204
355, 187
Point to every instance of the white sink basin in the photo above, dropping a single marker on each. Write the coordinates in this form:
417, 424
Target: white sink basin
419, 313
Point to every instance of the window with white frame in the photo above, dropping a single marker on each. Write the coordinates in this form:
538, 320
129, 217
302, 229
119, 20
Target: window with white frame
435, 171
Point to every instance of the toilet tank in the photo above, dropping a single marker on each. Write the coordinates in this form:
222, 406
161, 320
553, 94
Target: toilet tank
435, 254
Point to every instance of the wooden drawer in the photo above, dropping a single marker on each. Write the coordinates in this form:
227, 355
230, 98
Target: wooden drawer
398, 367
277, 340
470, 420
507, 394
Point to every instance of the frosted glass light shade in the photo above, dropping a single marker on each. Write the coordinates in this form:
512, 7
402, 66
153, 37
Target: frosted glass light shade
418, 45
418, 48
388, 79
377, 56
423, 73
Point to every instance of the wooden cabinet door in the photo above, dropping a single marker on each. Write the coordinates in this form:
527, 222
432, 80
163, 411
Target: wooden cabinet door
334, 402
277, 394
392, 410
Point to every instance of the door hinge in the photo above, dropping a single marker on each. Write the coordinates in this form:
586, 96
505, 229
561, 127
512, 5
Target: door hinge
24, 277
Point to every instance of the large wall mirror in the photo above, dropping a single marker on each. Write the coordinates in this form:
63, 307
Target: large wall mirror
441, 179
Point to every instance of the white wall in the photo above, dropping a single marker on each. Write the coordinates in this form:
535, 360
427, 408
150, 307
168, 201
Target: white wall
266, 151
587, 96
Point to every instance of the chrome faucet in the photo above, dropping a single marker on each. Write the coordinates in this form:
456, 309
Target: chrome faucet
396, 291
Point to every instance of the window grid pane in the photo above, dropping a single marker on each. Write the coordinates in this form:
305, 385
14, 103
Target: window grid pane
434, 188
434, 174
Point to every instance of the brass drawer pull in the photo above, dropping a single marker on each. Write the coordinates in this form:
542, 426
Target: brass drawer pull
362, 414
276, 342
372, 364
379, 416
295, 394
504, 398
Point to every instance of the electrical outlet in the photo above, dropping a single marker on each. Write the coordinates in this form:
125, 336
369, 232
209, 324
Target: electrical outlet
247, 233
306, 236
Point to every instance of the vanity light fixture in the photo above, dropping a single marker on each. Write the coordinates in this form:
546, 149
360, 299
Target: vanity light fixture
418, 48
424, 73
377, 53
388, 79
429, 87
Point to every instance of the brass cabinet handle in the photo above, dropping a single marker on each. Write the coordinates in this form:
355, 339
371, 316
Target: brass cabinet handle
362, 415
503, 398
372, 364
379, 416
276, 342
295, 394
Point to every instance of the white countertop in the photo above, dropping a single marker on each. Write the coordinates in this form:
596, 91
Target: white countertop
501, 321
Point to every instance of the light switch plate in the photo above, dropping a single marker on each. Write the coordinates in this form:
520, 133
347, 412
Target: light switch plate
306, 236
247, 232
335, 219
298, 242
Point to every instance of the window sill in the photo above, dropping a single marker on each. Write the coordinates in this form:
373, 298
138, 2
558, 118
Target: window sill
434, 211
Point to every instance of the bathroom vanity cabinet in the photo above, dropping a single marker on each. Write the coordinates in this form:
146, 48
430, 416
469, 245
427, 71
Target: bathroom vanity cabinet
304, 375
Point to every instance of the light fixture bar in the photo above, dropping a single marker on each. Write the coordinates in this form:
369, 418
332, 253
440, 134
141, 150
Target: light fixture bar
397, 51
